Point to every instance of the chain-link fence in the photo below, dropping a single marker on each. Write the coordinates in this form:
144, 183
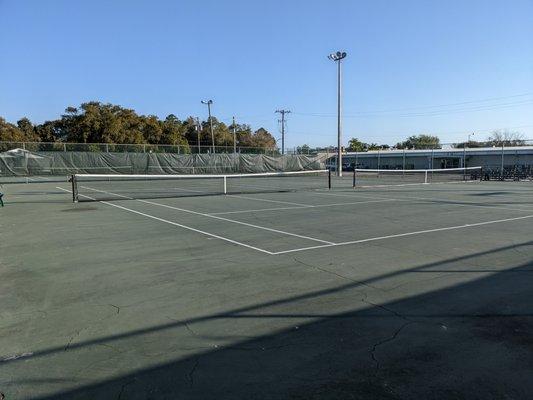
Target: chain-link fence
135, 148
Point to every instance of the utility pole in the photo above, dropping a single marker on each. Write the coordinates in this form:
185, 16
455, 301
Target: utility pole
234, 137
337, 57
209, 102
283, 112
198, 134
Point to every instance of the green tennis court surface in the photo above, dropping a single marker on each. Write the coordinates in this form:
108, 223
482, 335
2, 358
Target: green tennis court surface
392, 292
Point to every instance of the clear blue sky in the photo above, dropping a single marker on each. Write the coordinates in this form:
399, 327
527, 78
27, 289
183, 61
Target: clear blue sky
442, 67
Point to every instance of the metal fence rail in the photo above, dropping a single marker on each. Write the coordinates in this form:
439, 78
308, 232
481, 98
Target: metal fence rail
134, 148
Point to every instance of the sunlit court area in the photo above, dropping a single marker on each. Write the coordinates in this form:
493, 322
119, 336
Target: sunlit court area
231, 200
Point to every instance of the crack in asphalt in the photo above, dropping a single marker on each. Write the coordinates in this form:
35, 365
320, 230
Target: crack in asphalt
122, 389
192, 371
387, 340
116, 307
333, 273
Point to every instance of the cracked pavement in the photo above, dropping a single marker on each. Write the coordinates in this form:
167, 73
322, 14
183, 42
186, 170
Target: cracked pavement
106, 306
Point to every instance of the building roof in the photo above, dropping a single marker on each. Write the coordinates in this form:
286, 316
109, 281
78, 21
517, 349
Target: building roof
454, 151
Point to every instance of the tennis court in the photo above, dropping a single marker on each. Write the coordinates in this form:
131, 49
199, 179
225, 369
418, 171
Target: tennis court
380, 292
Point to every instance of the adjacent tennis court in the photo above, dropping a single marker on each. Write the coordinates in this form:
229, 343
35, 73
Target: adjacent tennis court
141, 291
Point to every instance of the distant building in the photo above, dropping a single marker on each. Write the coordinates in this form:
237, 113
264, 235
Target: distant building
492, 157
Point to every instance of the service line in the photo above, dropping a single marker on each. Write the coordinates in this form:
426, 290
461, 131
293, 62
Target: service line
447, 228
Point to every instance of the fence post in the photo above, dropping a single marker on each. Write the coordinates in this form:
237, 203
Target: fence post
501, 170
379, 158
64, 147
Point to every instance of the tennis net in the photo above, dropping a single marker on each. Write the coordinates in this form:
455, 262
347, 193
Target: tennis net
388, 177
99, 187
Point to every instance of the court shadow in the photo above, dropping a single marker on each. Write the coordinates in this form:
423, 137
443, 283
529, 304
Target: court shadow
470, 340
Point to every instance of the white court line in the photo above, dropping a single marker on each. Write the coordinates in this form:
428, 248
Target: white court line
270, 201
463, 203
355, 194
328, 244
299, 208
448, 228
213, 216
174, 223
411, 184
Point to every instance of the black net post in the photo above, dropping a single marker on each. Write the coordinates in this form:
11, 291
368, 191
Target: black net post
353, 176
329, 178
74, 188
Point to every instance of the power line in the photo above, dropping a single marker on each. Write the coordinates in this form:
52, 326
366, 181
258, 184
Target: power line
478, 107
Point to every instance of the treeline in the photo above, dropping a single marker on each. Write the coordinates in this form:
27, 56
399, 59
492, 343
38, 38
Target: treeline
412, 142
497, 138
94, 122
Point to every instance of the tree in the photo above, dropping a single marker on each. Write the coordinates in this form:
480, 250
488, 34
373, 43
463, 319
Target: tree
95, 122
244, 135
25, 125
471, 144
152, 129
263, 139
221, 133
420, 142
10, 132
50, 131
174, 132
304, 149
506, 138
356, 145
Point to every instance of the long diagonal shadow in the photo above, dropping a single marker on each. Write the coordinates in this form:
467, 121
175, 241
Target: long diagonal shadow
236, 312
481, 352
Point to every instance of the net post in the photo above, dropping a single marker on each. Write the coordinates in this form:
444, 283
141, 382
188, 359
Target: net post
426, 176
225, 184
74, 188
353, 177
329, 178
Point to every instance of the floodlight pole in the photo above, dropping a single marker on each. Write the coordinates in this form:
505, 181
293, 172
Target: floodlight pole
209, 102
337, 57
198, 134
234, 137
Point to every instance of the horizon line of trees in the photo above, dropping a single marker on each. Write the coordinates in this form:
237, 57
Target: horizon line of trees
95, 122
497, 138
